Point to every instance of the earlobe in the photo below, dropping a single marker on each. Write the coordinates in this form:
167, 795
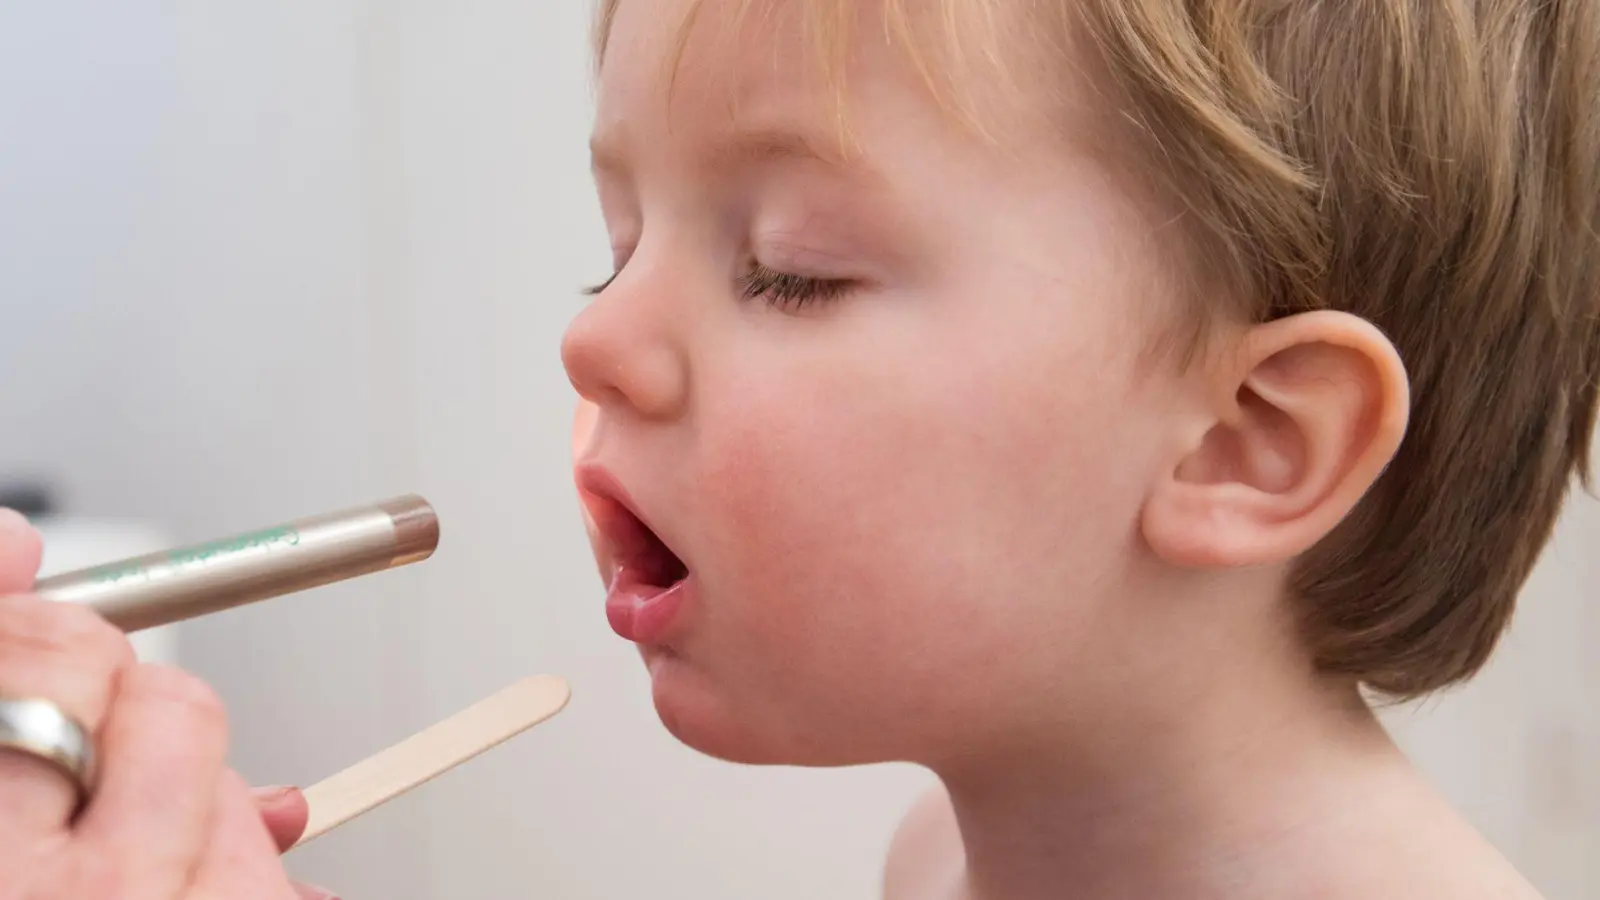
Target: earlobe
1302, 426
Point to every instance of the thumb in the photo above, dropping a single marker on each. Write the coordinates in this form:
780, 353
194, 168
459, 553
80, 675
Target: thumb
285, 812
20, 551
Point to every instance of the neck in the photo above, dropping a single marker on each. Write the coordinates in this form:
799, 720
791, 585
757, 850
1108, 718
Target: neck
1204, 797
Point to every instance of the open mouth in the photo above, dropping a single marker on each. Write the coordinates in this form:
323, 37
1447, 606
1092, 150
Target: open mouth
649, 580
642, 556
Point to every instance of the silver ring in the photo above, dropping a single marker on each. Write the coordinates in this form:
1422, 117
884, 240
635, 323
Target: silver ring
43, 730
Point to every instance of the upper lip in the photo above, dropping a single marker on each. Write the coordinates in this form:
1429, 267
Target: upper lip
612, 511
597, 481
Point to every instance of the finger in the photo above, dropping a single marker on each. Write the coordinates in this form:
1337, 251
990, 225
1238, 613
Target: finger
68, 655
285, 812
164, 747
311, 892
20, 552
240, 861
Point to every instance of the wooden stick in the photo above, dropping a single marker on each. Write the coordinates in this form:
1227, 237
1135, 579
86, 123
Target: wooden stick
431, 752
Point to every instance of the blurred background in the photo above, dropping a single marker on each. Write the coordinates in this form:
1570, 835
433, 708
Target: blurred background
265, 259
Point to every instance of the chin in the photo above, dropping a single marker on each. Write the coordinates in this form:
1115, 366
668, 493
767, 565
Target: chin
701, 713
696, 712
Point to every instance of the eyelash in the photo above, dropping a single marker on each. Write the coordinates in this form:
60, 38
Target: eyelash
781, 289
786, 291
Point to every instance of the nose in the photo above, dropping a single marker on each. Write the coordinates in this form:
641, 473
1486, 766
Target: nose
622, 355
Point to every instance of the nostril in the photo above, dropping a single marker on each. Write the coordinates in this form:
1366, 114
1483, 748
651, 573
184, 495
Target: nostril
598, 367
582, 355
627, 362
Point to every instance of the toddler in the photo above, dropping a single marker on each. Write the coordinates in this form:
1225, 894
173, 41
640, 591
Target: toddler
1096, 402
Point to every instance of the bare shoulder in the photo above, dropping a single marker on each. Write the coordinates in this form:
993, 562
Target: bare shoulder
1464, 865
926, 857
1418, 847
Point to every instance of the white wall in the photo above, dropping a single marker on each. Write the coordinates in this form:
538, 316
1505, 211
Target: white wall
263, 259
186, 337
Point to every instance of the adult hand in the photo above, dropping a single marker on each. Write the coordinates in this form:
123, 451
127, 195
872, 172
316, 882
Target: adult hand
167, 819
284, 812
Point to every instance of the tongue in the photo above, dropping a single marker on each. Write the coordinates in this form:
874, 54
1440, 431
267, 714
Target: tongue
639, 610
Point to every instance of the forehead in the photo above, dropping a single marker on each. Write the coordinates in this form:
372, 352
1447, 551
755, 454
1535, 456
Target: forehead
689, 65
684, 65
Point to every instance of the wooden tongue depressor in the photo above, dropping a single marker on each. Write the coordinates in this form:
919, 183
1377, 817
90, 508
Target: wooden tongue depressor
431, 752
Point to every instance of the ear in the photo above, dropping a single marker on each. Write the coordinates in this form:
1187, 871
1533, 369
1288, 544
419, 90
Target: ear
1299, 428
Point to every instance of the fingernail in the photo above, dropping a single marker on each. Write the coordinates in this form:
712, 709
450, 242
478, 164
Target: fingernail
273, 794
312, 892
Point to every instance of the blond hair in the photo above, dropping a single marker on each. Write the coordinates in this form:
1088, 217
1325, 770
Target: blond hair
1431, 167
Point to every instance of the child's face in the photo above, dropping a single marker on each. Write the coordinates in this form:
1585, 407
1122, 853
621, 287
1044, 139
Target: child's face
907, 497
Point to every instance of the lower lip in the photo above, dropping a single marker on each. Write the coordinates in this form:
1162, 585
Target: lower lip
643, 613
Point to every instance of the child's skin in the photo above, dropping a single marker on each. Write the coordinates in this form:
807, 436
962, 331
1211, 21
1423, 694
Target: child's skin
958, 512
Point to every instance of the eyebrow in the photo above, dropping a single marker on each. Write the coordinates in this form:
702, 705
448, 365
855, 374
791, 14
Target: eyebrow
742, 149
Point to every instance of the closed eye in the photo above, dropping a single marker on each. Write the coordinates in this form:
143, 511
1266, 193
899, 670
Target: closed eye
788, 291
780, 289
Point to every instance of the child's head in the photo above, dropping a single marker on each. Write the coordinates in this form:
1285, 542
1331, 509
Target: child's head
1008, 364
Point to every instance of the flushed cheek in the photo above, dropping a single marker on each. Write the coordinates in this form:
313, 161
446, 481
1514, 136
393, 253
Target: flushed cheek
812, 547
848, 542
871, 523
